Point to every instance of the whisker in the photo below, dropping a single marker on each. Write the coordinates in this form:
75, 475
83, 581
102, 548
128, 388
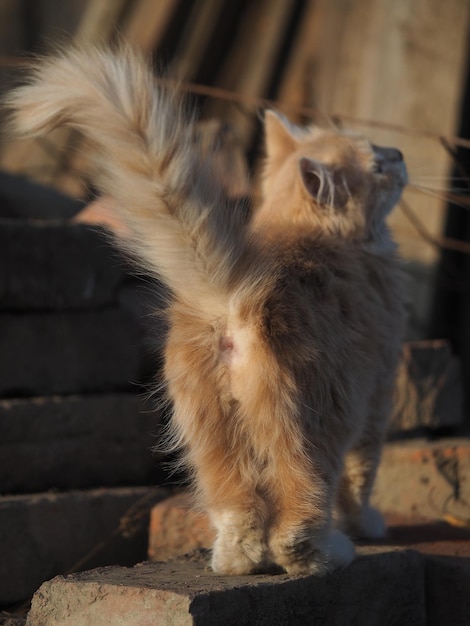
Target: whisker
457, 199
447, 177
437, 242
443, 188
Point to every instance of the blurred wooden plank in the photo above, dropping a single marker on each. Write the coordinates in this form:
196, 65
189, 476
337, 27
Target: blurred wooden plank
147, 23
250, 65
297, 81
99, 20
195, 38
47, 160
11, 27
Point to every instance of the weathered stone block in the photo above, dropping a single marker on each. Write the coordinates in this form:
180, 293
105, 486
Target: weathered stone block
46, 534
22, 198
379, 589
54, 353
447, 591
56, 265
70, 442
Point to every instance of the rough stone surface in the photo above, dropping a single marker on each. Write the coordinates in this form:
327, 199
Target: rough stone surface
56, 265
55, 353
47, 534
426, 478
448, 591
70, 442
383, 588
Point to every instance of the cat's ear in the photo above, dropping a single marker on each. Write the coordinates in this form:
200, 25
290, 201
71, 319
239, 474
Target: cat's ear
279, 135
317, 179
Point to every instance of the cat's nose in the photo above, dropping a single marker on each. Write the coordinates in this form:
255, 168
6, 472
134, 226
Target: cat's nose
392, 155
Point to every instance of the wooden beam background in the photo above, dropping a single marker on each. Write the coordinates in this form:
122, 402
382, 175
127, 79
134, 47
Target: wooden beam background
400, 62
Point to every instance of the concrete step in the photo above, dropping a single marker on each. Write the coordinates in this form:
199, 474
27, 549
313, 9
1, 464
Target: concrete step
420, 574
47, 265
69, 352
53, 533
22, 198
383, 586
78, 441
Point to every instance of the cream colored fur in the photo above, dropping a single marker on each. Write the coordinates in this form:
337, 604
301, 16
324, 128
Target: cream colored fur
283, 333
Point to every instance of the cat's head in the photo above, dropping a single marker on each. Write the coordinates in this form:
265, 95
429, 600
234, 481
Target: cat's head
337, 182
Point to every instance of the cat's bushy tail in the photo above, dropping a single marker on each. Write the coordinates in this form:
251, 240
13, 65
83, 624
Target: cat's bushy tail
146, 160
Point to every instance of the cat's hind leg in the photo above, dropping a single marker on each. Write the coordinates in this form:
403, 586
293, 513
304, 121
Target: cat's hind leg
226, 490
302, 539
216, 450
229, 494
299, 495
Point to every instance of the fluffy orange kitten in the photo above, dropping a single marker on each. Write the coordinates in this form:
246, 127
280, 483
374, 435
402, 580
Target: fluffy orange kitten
284, 331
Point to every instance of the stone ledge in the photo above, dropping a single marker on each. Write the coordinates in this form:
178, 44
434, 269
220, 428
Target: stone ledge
55, 353
71, 442
46, 534
379, 588
56, 265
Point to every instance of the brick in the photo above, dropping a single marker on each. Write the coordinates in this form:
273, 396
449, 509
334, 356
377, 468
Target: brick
70, 442
177, 528
47, 534
56, 353
56, 265
426, 478
429, 387
377, 589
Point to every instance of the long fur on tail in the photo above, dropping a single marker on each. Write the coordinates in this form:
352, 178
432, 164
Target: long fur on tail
142, 137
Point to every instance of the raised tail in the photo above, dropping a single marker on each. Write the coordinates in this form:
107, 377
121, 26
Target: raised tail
147, 161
